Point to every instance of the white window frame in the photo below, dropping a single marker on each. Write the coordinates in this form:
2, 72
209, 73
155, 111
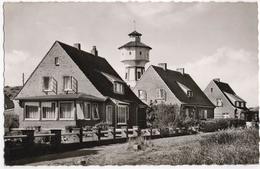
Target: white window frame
138, 70
97, 108
73, 110
144, 94
126, 114
190, 93
56, 61
205, 114
67, 89
72, 81
38, 113
55, 112
119, 86
49, 84
217, 101
90, 109
161, 94
107, 114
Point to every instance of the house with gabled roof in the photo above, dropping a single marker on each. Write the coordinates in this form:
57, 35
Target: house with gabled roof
159, 84
228, 103
71, 87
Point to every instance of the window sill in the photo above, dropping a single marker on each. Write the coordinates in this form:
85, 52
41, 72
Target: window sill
121, 123
27, 119
95, 118
44, 119
67, 119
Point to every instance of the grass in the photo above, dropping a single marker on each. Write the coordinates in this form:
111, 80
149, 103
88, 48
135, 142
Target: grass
233, 146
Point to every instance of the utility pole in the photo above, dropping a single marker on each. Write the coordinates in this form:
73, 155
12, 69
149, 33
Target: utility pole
23, 79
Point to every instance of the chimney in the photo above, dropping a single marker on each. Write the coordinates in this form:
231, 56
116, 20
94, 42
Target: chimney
163, 65
181, 70
217, 79
94, 51
77, 45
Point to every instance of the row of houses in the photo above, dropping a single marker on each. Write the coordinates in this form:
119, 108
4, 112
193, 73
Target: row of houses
72, 87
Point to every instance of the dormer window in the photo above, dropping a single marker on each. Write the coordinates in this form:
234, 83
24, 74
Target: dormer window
56, 61
118, 88
49, 84
70, 84
161, 94
189, 93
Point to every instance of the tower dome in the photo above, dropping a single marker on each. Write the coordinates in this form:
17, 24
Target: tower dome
134, 55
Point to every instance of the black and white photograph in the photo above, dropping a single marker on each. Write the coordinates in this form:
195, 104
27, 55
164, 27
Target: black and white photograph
130, 83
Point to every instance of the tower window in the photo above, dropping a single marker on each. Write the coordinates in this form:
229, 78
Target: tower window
140, 52
129, 53
126, 75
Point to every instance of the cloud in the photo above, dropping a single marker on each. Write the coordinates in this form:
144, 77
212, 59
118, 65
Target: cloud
239, 68
16, 63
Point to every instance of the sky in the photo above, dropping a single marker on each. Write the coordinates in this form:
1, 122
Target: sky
210, 40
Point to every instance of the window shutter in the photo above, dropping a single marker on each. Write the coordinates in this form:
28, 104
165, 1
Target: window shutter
54, 85
164, 94
158, 93
74, 84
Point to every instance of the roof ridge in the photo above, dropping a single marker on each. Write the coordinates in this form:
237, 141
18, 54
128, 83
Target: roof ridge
62, 43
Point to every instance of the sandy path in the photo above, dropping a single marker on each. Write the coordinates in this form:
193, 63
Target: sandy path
118, 154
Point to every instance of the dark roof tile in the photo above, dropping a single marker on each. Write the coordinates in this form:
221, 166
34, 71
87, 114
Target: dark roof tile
172, 78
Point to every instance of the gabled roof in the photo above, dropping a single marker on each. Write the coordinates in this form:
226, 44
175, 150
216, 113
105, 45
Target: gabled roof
228, 92
173, 78
135, 44
97, 70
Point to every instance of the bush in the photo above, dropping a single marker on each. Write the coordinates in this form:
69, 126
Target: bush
11, 121
220, 124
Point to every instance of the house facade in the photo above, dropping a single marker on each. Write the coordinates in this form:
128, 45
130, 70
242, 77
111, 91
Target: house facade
71, 87
161, 85
228, 103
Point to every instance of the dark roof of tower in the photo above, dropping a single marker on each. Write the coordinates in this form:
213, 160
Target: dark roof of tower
134, 44
134, 33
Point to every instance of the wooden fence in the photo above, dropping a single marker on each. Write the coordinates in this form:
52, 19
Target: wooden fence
25, 144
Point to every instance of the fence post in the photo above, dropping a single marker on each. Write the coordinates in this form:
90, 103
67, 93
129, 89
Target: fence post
55, 140
81, 135
99, 134
127, 131
114, 134
151, 132
30, 136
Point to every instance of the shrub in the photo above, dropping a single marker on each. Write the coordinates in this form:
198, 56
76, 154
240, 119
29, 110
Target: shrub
220, 124
11, 121
163, 116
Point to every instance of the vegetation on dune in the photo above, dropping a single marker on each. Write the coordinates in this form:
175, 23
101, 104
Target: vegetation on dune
225, 147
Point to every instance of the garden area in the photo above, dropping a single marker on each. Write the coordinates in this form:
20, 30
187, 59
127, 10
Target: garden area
232, 146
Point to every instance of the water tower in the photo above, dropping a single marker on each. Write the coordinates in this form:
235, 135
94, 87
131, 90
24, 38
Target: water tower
134, 55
